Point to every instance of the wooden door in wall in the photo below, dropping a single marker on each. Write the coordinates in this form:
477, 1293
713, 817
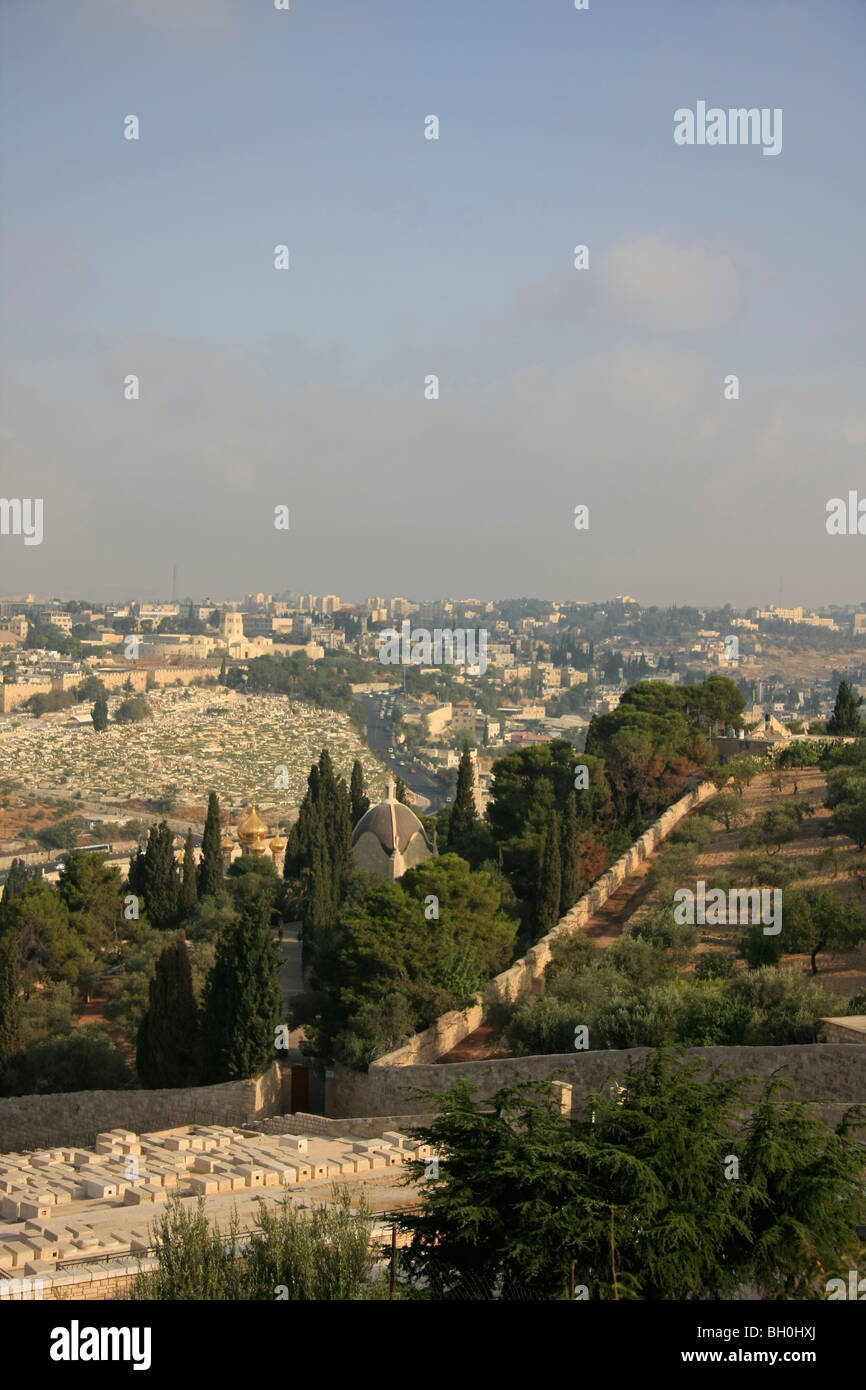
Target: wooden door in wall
300, 1089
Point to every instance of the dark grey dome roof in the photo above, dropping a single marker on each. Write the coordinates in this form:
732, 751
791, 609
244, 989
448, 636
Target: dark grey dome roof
392, 823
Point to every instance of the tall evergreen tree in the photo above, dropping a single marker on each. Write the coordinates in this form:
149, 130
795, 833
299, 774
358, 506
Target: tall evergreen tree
137, 877
242, 996
400, 791
548, 882
17, 880
319, 849
463, 813
161, 880
360, 803
210, 869
846, 718
100, 714
222, 674
167, 1047
569, 887
189, 886
10, 1003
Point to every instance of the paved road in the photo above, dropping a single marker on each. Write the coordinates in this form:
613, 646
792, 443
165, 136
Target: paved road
291, 973
380, 736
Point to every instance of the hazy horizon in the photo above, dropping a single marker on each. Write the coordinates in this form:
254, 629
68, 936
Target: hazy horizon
411, 257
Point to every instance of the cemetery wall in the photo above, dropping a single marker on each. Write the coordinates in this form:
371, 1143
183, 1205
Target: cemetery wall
822, 1072
76, 1117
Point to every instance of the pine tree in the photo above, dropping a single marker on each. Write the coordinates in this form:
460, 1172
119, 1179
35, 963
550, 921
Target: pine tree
189, 888
210, 869
10, 1003
547, 891
167, 1047
846, 718
360, 803
569, 887
100, 714
161, 881
242, 997
463, 813
400, 791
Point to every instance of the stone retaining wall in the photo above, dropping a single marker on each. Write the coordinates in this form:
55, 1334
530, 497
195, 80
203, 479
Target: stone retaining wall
511, 984
76, 1117
822, 1072
358, 1127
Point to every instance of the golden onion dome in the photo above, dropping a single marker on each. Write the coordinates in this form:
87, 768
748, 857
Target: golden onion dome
227, 844
252, 828
278, 843
252, 832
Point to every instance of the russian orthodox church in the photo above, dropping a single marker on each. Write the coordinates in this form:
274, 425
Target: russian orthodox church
252, 833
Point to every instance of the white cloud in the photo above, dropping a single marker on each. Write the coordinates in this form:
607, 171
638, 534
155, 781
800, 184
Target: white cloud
678, 286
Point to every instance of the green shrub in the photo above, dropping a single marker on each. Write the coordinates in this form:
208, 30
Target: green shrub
323, 1256
715, 965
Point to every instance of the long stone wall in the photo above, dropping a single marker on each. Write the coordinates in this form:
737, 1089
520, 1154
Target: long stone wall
359, 1127
76, 1117
829, 1072
511, 984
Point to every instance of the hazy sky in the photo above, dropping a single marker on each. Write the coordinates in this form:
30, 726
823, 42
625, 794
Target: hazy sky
411, 257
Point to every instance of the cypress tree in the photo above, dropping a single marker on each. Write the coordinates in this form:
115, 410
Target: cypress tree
167, 1046
161, 882
222, 674
292, 860
845, 718
341, 844
10, 1003
400, 791
100, 714
189, 888
319, 895
318, 853
569, 887
242, 997
137, 876
547, 890
17, 880
326, 773
210, 869
463, 813
360, 803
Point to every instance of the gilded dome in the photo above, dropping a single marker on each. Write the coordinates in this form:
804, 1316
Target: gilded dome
252, 831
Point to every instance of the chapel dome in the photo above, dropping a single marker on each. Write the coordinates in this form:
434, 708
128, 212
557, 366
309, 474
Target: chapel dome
389, 838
